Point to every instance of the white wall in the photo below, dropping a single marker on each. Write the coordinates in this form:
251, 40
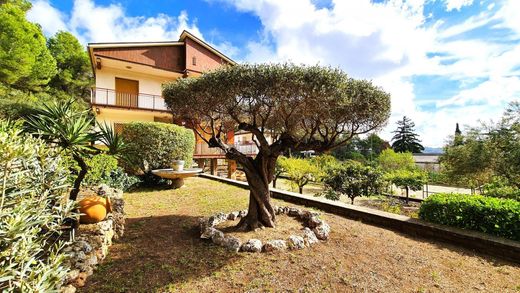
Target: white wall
148, 84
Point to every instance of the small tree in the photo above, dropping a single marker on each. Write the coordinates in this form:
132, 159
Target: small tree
469, 163
353, 179
405, 139
325, 165
300, 107
300, 171
407, 179
279, 169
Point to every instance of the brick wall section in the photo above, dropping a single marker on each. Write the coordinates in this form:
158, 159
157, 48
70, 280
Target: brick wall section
164, 57
483, 243
205, 59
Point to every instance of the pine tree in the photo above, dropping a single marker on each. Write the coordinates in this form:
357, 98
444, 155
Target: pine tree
405, 139
457, 138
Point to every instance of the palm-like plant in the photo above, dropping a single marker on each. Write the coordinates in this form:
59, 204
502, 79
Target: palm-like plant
63, 126
112, 140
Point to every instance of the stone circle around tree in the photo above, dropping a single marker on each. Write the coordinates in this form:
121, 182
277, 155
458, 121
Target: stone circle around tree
315, 230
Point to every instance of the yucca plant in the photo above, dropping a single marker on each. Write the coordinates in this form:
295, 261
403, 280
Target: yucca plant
61, 125
112, 140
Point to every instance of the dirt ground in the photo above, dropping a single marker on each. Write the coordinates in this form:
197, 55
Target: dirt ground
161, 252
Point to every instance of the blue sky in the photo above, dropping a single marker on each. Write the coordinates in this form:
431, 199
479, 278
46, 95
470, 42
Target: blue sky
443, 61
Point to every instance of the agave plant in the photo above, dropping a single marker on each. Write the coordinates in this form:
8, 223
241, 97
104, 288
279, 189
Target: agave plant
60, 125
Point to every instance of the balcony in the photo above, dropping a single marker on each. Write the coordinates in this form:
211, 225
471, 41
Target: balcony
108, 97
202, 150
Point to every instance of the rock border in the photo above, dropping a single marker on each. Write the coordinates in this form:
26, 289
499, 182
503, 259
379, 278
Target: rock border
92, 241
315, 229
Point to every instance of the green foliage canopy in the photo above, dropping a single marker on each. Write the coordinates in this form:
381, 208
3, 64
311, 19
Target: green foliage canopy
354, 179
300, 171
74, 75
390, 161
25, 61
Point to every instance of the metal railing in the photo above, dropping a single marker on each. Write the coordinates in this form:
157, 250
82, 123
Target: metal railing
109, 97
202, 149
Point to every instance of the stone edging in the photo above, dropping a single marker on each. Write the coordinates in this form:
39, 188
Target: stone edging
92, 241
481, 242
315, 229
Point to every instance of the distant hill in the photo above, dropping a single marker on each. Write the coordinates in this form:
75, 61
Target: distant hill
430, 150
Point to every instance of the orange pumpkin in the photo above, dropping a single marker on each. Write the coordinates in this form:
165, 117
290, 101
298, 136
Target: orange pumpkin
94, 209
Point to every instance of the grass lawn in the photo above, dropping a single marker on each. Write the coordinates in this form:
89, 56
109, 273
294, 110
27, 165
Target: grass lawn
161, 252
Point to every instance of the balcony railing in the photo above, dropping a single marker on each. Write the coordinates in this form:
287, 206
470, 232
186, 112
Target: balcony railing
203, 150
108, 97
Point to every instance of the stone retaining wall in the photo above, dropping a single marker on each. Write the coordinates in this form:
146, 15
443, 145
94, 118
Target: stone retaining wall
92, 241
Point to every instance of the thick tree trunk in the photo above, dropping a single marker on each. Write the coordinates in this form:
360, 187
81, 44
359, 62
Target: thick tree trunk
260, 212
77, 183
259, 174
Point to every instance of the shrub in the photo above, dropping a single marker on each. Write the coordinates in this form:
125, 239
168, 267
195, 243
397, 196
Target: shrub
353, 179
33, 208
103, 169
100, 166
500, 217
154, 145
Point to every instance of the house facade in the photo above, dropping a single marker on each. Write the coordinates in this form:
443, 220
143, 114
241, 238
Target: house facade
129, 79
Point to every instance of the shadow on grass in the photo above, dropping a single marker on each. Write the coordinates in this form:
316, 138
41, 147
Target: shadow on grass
158, 253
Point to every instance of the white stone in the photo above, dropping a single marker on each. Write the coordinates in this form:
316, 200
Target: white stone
274, 245
231, 243
322, 231
296, 242
218, 237
208, 233
309, 237
252, 245
314, 222
294, 212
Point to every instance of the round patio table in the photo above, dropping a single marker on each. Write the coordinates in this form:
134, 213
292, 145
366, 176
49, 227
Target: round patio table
177, 177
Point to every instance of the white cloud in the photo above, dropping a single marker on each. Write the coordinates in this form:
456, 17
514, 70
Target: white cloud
493, 92
98, 23
389, 42
47, 16
457, 4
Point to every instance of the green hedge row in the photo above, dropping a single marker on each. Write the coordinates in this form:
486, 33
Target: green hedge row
500, 217
154, 145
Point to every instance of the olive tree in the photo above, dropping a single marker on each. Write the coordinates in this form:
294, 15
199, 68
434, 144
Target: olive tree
299, 107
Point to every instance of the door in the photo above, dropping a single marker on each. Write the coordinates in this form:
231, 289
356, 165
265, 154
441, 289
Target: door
127, 92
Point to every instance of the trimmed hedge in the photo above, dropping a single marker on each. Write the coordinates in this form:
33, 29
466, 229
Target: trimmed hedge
154, 145
500, 217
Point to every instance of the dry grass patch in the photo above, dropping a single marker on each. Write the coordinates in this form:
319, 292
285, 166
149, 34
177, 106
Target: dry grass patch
162, 252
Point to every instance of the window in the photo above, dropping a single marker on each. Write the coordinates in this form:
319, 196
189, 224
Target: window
194, 60
118, 127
